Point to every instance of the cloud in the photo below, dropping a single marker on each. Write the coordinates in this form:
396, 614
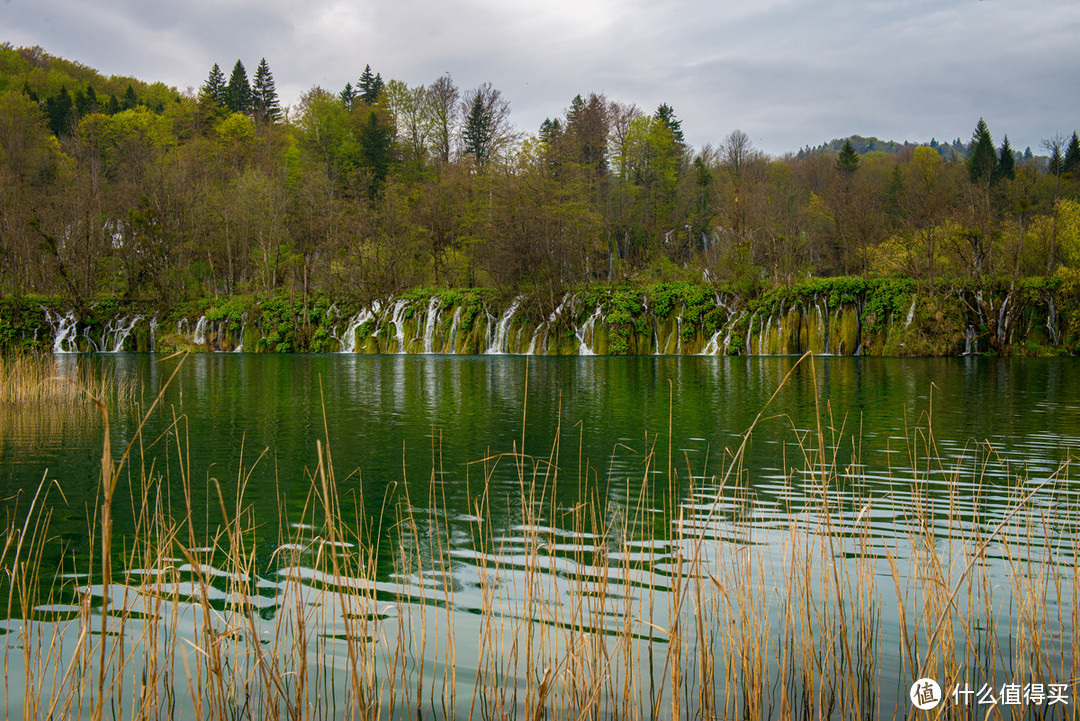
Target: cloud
787, 72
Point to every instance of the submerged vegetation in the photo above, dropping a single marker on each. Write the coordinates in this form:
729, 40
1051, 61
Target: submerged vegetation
663, 596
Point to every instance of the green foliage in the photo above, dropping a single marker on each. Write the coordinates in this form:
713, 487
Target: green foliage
982, 158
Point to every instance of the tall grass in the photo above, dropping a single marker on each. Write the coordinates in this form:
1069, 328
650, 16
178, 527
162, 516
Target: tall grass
681, 597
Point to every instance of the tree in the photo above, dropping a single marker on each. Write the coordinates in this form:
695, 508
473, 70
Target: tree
666, 115
214, 87
486, 130
376, 150
1006, 163
59, 109
370, 86
1072, 156
264, 98
443, 98
347, 95
238, 91
982, 158
587, 125
847, 162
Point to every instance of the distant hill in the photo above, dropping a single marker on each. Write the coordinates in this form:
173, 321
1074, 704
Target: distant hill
949, 151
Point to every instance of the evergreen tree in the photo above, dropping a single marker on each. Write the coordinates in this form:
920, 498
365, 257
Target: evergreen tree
238, 91
982, 158
112, 107
91, 98
58, 109
376, 147
347, 96
29, 92
264, 98
666, 115
214, 87
1072, 156
476, 135
847, 162
130, 101
1006, 164
550, 130
370, 86
1057, 163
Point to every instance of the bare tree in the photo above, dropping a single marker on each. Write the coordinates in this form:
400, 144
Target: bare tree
443, 98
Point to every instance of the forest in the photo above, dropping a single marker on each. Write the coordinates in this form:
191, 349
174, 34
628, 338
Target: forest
114, 187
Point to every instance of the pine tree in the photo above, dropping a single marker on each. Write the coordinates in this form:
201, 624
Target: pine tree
214, 87
476, 135
347, 96
264, 98
1006, 164
847, 162
238, 91
982, 158
666, 114
550, 130
130, 101
1057, 163
370, 86
58, 109
1072, 156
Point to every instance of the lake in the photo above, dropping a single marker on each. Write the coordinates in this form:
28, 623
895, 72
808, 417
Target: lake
521, 530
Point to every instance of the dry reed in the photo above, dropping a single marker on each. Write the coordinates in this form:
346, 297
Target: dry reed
677, 599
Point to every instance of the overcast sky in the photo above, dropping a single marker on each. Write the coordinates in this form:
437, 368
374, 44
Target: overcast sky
789, 73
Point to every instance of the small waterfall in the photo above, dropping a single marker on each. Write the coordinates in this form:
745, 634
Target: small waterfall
455, 322
499, 342
1052, 323
434, 305
910, 314
153, 334
200, 331
348, 338
970, 346
397, 319
116, 332
64, 331
731, 329
678, 334
1003, 320
586, 331
750, 334
713, 346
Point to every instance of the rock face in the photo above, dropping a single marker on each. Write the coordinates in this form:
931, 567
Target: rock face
839, 316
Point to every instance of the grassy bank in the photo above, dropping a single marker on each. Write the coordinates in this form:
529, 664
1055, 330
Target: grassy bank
670, 598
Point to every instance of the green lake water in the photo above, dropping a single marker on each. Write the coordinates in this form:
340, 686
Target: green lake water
406, 429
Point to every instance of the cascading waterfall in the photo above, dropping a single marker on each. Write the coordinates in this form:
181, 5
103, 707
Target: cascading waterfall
65, 330
455, 323
434, 306
348, 338
200, 331
910, 314
969, 340
1052, 323
116, 332
397, 319
499, 343
585, 332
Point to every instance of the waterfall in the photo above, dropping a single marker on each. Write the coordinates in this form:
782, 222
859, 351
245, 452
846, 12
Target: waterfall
434, 306
1052, 323
397, 319
499, 342
586, 328
678, 334
116, 332
454, 323
910, 314
200, 331
749, 334
713, 346
348, 338
153, 334
1003, 319
64, 331
969, 340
